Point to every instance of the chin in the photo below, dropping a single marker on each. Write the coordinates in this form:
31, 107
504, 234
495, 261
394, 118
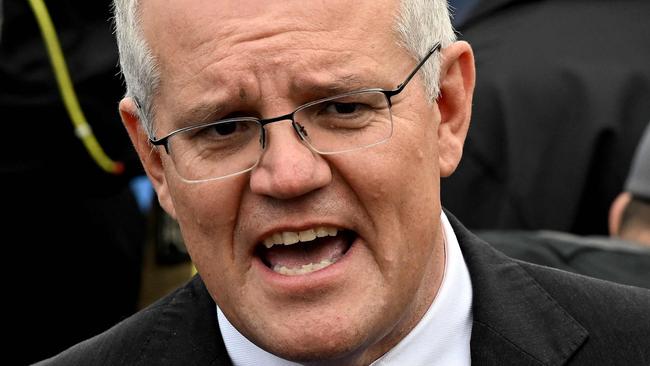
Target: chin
321, 347
320, 354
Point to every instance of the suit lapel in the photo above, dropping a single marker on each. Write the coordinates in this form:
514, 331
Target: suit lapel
187, 332
515, 320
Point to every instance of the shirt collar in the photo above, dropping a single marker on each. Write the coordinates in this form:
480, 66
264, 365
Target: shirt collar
442, 337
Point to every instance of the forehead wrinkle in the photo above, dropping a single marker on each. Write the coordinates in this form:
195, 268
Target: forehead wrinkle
335, 84
297, 21
203, 112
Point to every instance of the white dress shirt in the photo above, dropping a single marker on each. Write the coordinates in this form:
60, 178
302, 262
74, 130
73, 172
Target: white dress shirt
441, 337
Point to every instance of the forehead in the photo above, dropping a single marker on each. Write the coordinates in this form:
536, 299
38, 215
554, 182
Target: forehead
243, 54
245, 20
198, 33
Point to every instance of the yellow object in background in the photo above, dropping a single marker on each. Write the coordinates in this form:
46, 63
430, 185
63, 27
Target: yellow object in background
82, 128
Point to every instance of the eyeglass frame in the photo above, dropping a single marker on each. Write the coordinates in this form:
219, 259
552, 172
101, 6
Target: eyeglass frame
388, 93
299, 129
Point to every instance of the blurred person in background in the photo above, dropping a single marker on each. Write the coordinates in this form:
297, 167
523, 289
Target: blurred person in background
624, 257
72, 233
629, 217
607, 258
561, 100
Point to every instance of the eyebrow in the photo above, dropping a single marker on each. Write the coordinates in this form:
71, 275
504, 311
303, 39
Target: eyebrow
324, 88
204, 112
200, 113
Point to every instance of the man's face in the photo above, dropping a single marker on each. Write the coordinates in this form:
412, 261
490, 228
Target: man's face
264, 59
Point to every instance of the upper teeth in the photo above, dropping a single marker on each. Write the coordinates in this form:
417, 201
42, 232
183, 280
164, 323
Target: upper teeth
292, 237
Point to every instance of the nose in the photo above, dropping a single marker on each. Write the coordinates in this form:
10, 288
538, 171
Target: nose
288, 168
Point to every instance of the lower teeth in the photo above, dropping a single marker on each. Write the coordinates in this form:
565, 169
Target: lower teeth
304, 269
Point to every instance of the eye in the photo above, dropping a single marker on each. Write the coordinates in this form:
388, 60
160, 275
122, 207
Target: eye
342, 108
222, 132
228, 131
354, 111
226, 128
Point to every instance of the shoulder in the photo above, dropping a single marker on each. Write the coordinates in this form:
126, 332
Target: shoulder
600, 267
616, 317
595, 301
535, 312
148, 334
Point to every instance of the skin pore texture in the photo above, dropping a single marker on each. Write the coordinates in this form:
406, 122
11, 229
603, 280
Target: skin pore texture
265, 59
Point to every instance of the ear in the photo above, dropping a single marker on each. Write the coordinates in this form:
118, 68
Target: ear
616, 213
150, 156
457, 78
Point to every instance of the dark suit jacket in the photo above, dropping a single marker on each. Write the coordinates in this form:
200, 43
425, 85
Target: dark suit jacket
561, 100
524, 314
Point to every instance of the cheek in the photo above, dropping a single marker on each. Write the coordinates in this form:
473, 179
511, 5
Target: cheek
404, 175
407, 182
207, 214
202, 210
398, 187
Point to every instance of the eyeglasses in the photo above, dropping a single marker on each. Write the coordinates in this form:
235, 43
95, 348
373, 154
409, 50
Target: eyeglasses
334, 125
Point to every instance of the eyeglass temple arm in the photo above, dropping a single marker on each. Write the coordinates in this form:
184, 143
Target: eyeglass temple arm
401, 86
160, 142
153, 140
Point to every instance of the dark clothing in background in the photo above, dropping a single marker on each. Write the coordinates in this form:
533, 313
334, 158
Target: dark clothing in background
562, 97
600, 257
72, 234
39, 137
460, 9
523, 314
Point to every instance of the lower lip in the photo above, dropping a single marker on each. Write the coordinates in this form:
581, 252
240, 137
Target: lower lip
317, 280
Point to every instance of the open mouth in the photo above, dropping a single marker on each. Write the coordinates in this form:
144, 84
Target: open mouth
299, 253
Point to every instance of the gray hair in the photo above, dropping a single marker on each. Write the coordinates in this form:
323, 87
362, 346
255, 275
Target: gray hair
419, 24
139, 67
